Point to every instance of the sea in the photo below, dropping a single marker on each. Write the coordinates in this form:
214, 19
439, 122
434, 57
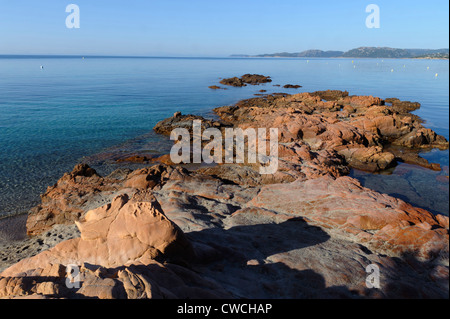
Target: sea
57, 111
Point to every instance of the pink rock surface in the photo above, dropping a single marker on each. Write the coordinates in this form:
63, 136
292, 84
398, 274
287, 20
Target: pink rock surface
383, 223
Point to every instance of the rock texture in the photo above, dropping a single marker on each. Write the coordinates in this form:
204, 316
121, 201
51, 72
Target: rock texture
125, 231
87, 190
343, 207
76, 193
117, 254
359, 128
166, 126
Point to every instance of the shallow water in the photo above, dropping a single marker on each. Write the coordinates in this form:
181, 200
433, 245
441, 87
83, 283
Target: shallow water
51, 118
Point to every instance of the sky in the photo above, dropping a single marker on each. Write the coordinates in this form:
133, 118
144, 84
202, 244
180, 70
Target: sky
217, 28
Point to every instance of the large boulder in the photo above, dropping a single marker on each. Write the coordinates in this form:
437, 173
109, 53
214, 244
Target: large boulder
120, 233
119, 254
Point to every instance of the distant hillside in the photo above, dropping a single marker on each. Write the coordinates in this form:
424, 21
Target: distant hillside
434, 56
306, 54
362, 52
371, 52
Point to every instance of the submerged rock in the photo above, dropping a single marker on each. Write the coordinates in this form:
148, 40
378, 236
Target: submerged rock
215, 87
235, 81
292, 86
255, 79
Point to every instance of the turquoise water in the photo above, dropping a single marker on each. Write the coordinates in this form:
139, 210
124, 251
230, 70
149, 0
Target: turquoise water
51, 118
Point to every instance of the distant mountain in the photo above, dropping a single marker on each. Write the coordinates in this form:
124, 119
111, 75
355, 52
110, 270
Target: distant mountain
434, 56
362, 52
384, 52
306, 54
321, 54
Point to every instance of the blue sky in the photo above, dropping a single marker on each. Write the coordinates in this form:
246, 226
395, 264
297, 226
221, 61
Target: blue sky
217, 28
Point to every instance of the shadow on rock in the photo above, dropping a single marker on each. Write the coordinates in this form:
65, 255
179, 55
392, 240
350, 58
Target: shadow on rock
294, 260
252, 261
411, 278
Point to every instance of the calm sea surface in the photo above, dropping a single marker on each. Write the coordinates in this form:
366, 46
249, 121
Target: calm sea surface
51, 118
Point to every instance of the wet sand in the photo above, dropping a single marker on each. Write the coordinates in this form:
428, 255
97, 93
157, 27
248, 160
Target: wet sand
13, 229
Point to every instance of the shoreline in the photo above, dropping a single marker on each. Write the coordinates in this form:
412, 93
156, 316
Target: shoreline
111, 158
6, 56
226, 209
322, 58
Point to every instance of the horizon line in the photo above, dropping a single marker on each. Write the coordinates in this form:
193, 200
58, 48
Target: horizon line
234, 55
102, 56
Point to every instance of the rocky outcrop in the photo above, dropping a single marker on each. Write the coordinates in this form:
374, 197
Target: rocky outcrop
226, 231
331, 95
119, 255
305, 239
255, 79
215, 87
137, 281
122, 232
61, 207
234, 81
359, 128
403, 106
292, 86
343, 207
166, 126
76, 193
252, 79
